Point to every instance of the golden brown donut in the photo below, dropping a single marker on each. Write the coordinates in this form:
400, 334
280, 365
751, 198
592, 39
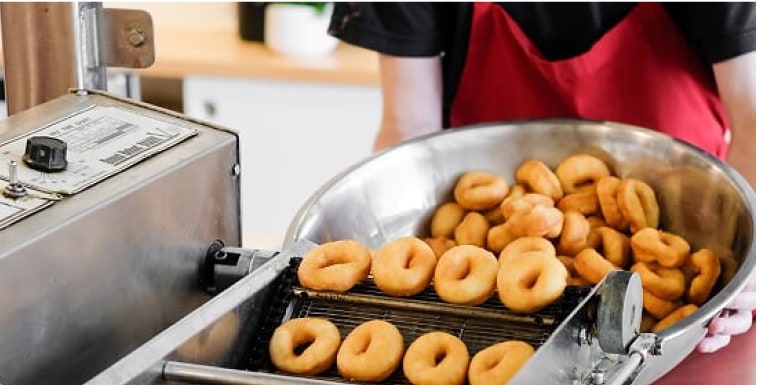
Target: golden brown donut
525, 202
335, 266
498, 363
445, 219
703, 267
517, 190
577, 171
494, 216
575, 233
595, 221
537, 177
647, 322
574, 279
612, 244
679, 314
592, 266
403, 267
466, 275
370, 352
638, 204
524, 245
666, 283
541, 221
439, 245
657, 307
531, 282
480, 190
584, 201
472, 230
436, 358
650, 245
319, 335
607, 188
498, 238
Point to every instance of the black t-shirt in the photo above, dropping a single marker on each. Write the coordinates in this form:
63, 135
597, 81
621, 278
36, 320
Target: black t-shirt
716, 31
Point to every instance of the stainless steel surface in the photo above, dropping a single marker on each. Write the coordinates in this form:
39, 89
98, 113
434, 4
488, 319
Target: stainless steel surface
394, 193
212, 375
619, 312
86, 21
92, 277
14, 189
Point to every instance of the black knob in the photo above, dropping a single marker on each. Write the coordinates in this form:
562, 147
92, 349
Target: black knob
46, 154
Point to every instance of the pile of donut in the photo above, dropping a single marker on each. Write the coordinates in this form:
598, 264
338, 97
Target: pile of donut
373, 350
583, 217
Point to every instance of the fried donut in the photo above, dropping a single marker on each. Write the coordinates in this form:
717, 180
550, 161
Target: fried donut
466, 275
574, 279
498, 238
494, 216
703, 267
650, 245
439, 245
524, 245
541, 221
647, 321
370, 352
607, 188
577, 171
679, 314
592, 266
657, 307
595, 222
537, 177
498, 363
612, 244
403, 267
517, 190
638, 205
575, 233
472, 230
666, 283
531, 282
525, 202
318, 336
480, 190
335, 266
445, 219
584, 201
436, 358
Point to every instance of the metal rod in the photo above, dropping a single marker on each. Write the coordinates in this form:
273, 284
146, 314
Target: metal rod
409, 304
78, 39
212, 375
623, 374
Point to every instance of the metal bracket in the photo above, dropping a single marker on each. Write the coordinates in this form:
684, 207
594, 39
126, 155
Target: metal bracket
127, 38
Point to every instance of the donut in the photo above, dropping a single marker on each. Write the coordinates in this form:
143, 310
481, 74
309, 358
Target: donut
592, 266
657, 307
472, 230
638, 205
480, 190
584, 201
647, 322
466, 275
445, 219
666, 283
524, 245
439, 245
370, 352
607, 187
541, 221
537, 177
531, 282
679, 314
403, 267
577, 171
595, 221
494, 216
525, 202
612, 244
703, 267
436, 358
650, 245
318, 336
335, 266
498, 238
574, 279
498, 363
517, 190
575, 233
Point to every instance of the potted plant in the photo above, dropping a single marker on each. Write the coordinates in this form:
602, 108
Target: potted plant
299, 29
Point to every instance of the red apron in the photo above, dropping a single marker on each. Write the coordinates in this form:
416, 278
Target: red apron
641, 72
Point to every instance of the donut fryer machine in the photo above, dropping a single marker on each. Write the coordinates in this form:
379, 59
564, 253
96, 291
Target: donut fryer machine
133, 276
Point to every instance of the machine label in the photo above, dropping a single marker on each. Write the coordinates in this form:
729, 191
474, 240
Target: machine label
101, 141
12, 210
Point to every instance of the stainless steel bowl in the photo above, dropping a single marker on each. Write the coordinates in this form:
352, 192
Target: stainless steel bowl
394, 193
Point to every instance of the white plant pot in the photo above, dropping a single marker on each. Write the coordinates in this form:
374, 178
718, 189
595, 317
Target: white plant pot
298, 30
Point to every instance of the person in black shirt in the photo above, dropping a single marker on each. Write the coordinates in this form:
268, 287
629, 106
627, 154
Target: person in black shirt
685, 69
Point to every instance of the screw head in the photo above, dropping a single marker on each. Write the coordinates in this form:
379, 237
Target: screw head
136, 37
